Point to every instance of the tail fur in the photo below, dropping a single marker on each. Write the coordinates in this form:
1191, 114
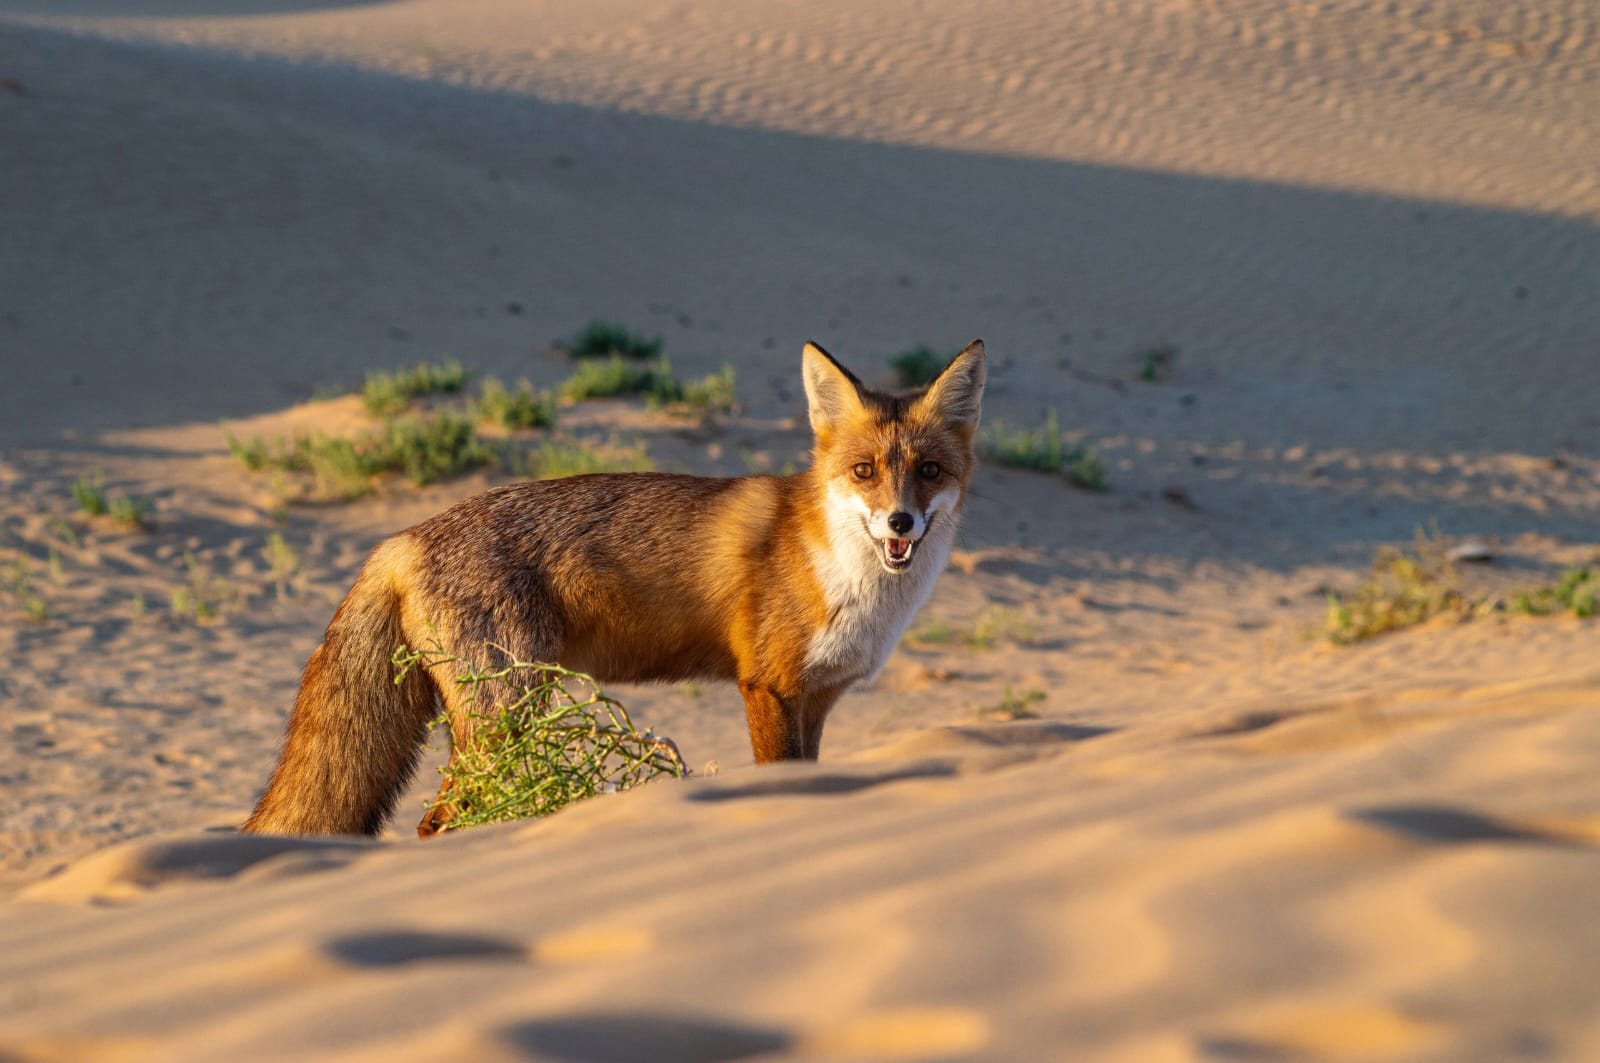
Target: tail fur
355, 735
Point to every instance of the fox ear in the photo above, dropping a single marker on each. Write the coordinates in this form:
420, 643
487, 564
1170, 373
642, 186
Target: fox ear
957, 392
832, 391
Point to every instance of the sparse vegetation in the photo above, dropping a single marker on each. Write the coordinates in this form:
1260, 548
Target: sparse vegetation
716, 393
89, 493
1156, 362
389, 393
616, 376
1575, 593
253, 453
605, 339
283, 563
424, 449
993, 625
570, 457
18, 584
524, 407
203, 595
1405, 589
561, 740
1045, 449
130, 512
432, 449
918, 366
1402, 590
1014, 706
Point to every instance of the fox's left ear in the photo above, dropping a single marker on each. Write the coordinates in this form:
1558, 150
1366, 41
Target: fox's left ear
957, 392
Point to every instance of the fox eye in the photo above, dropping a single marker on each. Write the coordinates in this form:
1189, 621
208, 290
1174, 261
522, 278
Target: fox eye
863, 470
930, 470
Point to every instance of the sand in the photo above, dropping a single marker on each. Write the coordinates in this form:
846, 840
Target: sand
1369, 232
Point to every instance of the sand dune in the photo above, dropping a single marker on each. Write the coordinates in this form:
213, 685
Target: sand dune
1368, 230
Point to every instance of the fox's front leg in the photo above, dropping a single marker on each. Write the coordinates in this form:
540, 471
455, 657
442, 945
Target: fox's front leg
776, 727
814, 709
786, 727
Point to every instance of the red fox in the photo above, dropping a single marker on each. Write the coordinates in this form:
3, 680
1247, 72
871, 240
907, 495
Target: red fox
793, 586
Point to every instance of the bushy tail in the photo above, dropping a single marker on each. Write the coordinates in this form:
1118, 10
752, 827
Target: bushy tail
355, 734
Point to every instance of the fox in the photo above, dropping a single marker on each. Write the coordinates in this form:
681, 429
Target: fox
793, 587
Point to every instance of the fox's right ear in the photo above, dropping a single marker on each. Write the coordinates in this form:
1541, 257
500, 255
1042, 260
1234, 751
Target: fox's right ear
832, 392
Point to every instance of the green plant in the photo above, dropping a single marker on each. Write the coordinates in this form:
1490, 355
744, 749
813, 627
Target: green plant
1085, 469
1575, 592
283, 563
89, 493
130, 512
431, 449
389, 393
1014, 706
697, 398
993, 624
1156, 362
1045, 449
918, 366
19, 585
1402, 590
561, 739
555, 458
522, 408
615, 376
424, 449
64, 532
934, 633
253, 454
604, 339
203, 595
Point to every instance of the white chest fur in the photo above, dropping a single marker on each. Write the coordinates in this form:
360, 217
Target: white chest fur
870, 607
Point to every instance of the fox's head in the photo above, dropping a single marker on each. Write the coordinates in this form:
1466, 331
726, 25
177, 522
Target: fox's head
898, 463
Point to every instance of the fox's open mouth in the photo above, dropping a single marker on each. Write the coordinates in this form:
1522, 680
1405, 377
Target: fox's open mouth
897, 553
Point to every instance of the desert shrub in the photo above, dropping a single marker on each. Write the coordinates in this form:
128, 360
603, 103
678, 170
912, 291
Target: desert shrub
387, 394
89, 492
555, 458
918, 366
617, 376
560, 740
202, 595
715, 393
1574, 593
605, 339
993, 625
523, 407
1402, 590
430, 449
424, 449
1045, 448
1014, 705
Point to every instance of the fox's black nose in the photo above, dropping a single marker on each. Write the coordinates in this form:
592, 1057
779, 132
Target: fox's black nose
900, 523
